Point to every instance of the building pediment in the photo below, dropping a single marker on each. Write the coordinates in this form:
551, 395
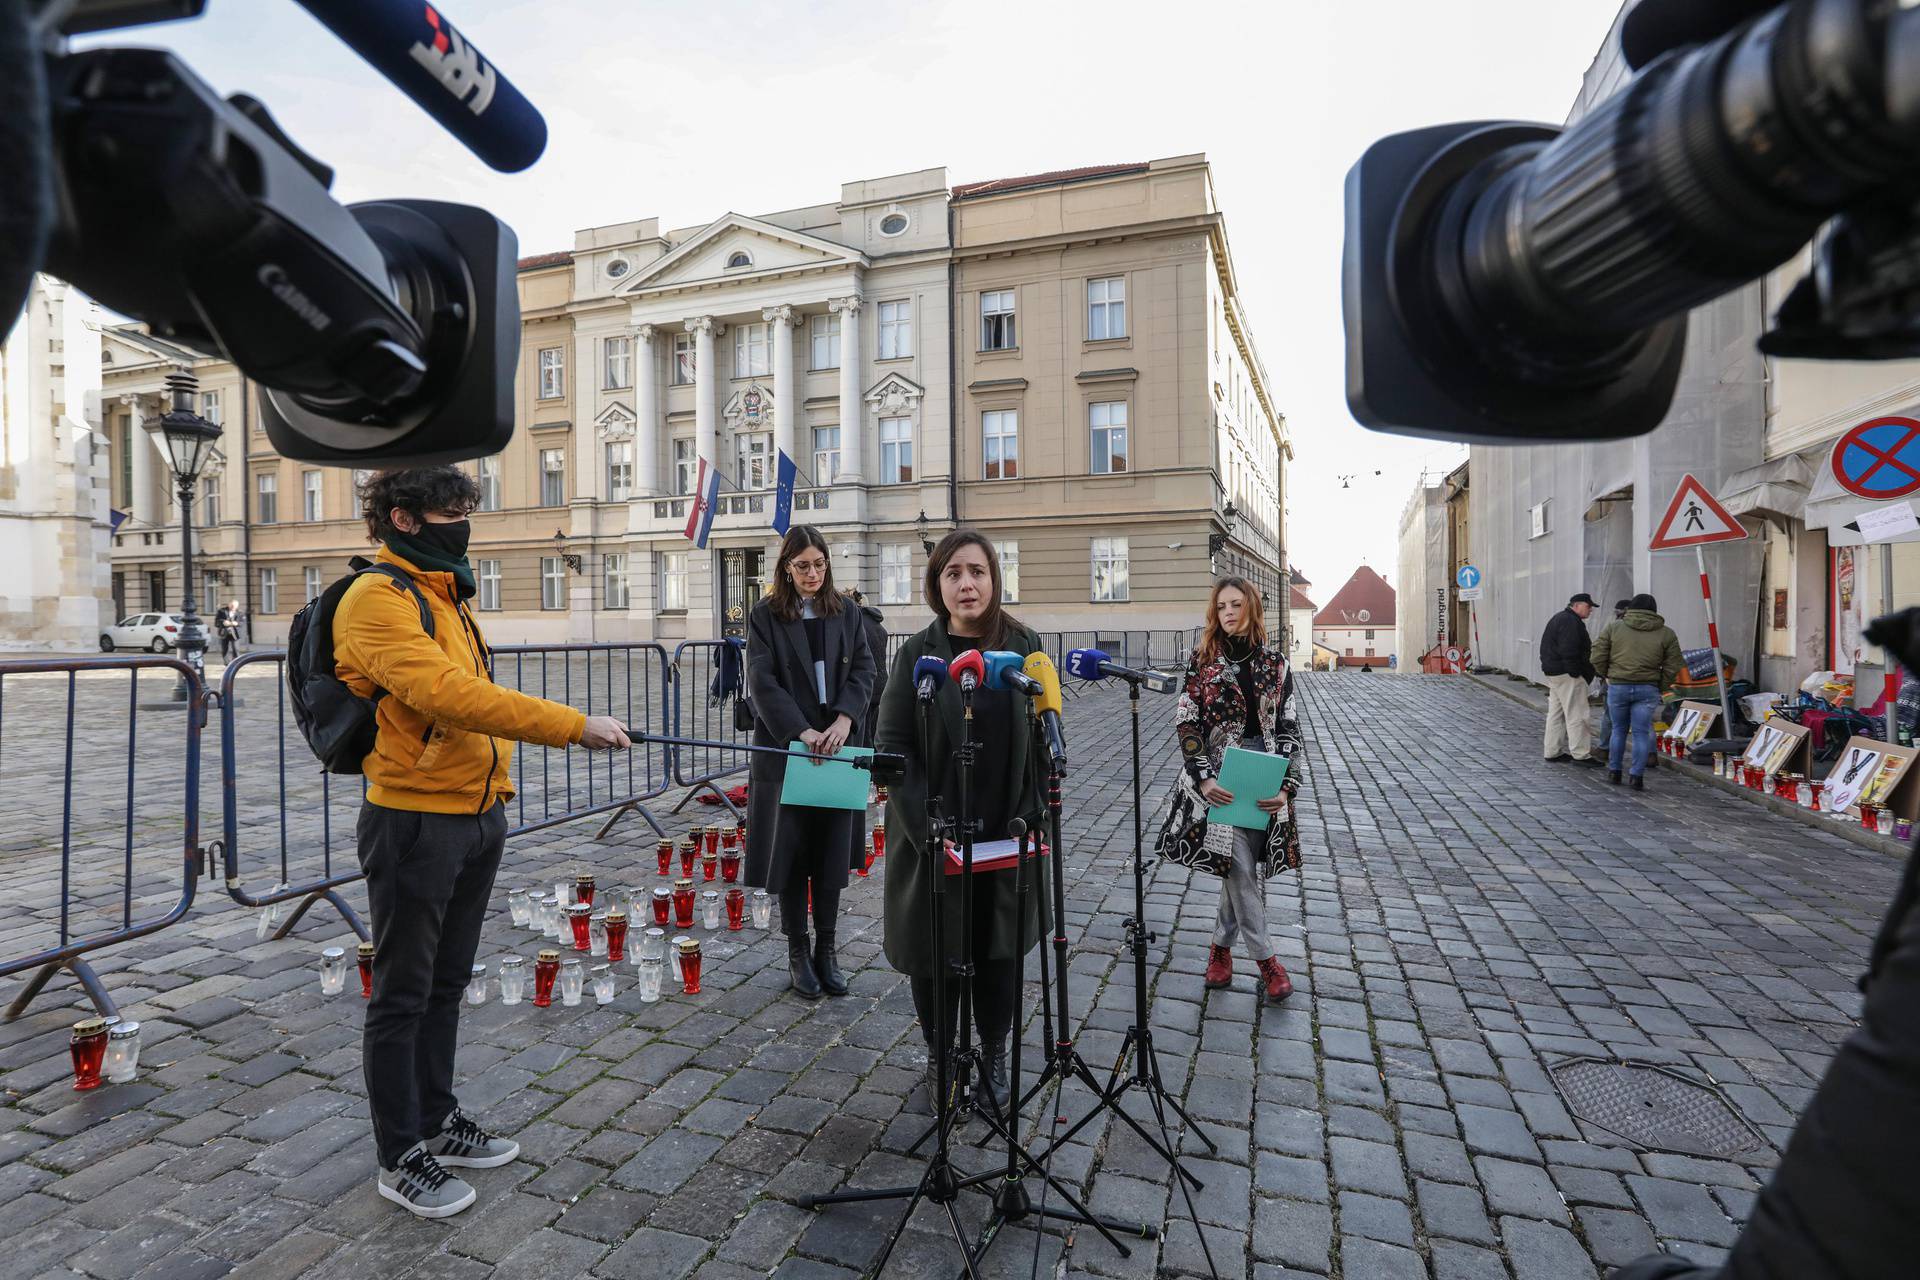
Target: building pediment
750, 409
895, 394
755, 249
615, 422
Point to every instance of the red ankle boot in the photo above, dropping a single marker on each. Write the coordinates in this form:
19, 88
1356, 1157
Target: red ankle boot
1219, 967
1274, 974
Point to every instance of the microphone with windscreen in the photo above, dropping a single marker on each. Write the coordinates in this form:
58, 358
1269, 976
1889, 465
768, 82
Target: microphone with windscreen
1006, 671
1039, 669
969, 671
929, 673
1093, 664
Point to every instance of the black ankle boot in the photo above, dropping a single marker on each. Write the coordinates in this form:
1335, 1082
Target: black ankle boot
800, 967
995, 1085
826, 966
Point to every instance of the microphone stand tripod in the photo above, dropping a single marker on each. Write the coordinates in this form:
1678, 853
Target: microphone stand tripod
940, 1183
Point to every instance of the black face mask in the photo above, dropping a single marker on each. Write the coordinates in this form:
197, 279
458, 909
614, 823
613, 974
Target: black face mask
448, 539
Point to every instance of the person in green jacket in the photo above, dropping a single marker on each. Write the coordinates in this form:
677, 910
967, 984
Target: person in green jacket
963, 590
1637, 655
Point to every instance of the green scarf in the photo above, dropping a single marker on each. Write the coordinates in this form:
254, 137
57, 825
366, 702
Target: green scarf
421, 556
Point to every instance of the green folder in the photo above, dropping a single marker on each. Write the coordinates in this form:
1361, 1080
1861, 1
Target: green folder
832, 784
1252, 776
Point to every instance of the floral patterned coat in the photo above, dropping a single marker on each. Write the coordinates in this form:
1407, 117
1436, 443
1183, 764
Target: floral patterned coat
1210, 717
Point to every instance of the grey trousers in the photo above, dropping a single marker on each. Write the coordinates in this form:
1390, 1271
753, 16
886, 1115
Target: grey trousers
1243, 894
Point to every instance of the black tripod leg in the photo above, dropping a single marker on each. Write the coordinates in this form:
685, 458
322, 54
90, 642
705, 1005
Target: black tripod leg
1157, 1094
1160, 1090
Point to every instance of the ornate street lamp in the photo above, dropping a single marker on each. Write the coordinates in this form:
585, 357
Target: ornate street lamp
571, 559
189, 441
1215, 541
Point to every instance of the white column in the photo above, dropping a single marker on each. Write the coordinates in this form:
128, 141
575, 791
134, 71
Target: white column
141, 502
786, 410
705, 432
646, 410
853, 437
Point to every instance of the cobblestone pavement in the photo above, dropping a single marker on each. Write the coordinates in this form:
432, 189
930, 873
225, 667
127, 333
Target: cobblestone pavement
1467, 917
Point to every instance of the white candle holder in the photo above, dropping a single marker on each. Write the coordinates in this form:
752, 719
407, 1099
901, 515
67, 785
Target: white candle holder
477, 985
333, 971
513, 979
572, 981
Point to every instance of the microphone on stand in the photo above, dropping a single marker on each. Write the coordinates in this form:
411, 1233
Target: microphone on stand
969, 671
929, 673
1005, 671
1093, 664
1039, 669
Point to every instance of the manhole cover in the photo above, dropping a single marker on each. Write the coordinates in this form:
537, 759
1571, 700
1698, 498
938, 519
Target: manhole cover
1654, 1107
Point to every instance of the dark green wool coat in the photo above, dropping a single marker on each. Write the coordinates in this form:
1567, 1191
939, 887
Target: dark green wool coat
909, 928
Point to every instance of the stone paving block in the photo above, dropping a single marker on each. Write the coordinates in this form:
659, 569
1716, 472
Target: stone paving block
1452, 1261
1520, 1189
1367, 1166
1682, 1210
1454, 1212
1490, 1131
1542, 1251
1615, 1237
1376, 1218
1293, 1232
1378, 1261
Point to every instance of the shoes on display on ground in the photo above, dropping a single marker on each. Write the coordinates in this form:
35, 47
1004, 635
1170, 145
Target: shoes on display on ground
1219, 967
423, 1188
462, 1144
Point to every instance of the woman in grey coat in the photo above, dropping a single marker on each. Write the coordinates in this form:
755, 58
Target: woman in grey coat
809, 673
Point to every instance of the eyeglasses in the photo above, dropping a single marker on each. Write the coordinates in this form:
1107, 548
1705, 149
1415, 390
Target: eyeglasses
809, 566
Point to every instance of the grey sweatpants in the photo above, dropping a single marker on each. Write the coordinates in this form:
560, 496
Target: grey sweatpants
1243, 894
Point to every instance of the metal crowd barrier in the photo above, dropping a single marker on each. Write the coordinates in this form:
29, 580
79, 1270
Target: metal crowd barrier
89, 838
706, 688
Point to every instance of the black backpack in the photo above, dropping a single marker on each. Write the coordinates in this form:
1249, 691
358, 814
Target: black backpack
336, 722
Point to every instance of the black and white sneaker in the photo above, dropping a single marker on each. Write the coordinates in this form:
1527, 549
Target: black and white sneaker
423, 1188
465, 1145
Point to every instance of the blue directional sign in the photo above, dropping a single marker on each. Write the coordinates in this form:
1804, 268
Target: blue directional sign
1468, 577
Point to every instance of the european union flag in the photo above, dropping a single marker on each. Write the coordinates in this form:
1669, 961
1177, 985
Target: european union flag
783, 493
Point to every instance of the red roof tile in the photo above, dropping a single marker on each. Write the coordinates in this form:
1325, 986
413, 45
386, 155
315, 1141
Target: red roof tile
968, 190
1365, 601
545, 260
1297, 599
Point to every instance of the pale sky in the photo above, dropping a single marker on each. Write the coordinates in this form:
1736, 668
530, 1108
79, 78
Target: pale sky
687, 111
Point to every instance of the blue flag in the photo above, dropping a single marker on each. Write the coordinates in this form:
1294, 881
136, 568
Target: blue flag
787, 470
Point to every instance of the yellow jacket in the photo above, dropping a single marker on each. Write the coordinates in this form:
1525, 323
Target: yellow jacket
446, 731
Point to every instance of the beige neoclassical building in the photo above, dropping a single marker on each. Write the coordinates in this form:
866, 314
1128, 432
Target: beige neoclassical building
1062, 360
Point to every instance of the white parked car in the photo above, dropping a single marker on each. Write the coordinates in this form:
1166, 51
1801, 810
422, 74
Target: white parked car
156, 631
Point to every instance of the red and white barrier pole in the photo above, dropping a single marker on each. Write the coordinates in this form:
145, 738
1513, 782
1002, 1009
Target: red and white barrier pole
1713, 638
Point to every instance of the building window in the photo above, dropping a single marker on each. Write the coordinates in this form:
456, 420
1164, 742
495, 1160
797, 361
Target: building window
826, 342
750, 351
312, 583
1009, 571
269, 591
619, 470
739, 258
686, 465
673, 582
487, 576
1110, 570
211, 595
553, 372
619, 361
996, 321
553, 477
310, 495
1000, 439
210, 407
683, 361
753, 460
488, 473
1107, 308
209, 502
1369, 636
1109, 423
893, 224
896, 330
267, 486
616, 580
896, 450
826, 454
553, 582
896, 573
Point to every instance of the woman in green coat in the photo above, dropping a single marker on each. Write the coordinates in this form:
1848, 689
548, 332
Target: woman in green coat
963, 590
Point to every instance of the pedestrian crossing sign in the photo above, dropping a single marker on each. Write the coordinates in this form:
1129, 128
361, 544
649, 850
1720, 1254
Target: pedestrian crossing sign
1695, 518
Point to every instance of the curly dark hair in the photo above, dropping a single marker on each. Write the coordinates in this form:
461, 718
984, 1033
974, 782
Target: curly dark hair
415, 489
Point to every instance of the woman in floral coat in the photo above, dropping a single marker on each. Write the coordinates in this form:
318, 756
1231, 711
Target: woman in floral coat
1238, 693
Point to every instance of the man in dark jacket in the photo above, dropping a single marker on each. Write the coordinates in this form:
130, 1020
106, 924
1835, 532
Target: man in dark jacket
1563, 660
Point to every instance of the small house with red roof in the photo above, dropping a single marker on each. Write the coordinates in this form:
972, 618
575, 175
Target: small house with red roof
1358, 623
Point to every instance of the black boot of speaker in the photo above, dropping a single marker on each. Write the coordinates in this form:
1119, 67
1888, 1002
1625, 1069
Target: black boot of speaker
826, 966
800, 972
996, 1085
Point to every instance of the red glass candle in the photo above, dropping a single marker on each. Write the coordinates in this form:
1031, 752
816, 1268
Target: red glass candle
730, 867
580, 917
545, 969
365, 954
683, 903
89, 1049
879, 840
709, 863
730, 838
736, 909
662, 904
690, 967
880, 796
583, 888
616, 936
664, 850
713, 841
1815, 789
688, 851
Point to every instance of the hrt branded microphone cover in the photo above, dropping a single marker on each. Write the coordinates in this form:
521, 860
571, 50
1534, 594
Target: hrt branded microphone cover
969, 670
929, 673
1094, 664
1005, 671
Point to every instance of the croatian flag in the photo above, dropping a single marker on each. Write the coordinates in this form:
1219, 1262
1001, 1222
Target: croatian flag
706, 497
785, 475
